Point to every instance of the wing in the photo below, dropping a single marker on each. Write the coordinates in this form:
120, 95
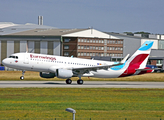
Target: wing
105, 67
84, 70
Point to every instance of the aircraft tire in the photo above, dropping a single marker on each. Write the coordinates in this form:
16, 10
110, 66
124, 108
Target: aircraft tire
21, 77
68, 81
80, 82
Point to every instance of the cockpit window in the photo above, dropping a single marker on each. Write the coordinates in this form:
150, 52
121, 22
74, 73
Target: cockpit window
11, 56
15, 57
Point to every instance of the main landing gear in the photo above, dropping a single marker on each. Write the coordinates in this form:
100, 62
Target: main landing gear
22, 77
69, 81
80, 81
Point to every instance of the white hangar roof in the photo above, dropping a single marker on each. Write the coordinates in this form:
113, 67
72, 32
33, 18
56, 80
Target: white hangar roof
10, 28
92, 33
28, 29
89, 33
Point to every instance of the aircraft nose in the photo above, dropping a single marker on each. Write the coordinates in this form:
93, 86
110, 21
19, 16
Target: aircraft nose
4, 61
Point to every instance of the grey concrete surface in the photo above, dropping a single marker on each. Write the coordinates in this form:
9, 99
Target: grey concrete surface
87, 84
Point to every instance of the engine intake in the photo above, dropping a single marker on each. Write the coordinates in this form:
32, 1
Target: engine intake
47, 75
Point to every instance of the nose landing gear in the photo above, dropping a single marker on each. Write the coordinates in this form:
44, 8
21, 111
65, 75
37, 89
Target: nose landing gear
22, 77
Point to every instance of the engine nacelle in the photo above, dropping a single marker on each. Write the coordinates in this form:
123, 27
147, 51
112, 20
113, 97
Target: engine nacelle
47, 75
63, 73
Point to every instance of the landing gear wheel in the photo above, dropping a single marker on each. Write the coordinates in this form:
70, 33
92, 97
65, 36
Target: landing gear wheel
68, 81
22, 77
80, 81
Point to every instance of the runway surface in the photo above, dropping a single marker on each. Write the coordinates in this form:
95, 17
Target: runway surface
87, 84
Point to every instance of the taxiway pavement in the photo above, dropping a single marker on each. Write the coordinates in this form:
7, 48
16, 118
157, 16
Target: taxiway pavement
87, 84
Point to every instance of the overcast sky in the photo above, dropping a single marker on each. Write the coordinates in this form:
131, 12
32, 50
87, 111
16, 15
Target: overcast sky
104, 15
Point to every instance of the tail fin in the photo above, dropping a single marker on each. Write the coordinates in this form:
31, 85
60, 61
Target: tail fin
139, 59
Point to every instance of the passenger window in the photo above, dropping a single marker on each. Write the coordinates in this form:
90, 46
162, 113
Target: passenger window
16, 57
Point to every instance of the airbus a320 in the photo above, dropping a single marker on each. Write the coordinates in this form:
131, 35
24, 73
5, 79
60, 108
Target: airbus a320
51, 66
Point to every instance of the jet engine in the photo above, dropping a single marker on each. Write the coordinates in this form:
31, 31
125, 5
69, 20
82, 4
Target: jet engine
63, 73
47, 75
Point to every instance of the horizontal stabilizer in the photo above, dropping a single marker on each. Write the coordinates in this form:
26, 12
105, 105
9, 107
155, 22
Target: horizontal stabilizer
148, 69
144, 69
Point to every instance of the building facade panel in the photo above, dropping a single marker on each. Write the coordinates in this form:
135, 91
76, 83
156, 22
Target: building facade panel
162, 37
130, 43
161, 44
70, 46
86, 47
3, 49
43, 47
157, 53
0, 52
10, 48
31, 46
56, 48
37, 47
50, 47
23, 45
16, 46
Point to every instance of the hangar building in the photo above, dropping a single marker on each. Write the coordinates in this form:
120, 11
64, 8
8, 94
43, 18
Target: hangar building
132, 43
82, 43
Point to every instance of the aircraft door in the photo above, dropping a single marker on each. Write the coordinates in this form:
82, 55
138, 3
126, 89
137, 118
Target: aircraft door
26, 59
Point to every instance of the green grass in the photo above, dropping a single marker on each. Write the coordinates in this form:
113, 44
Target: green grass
95, 103
15, 75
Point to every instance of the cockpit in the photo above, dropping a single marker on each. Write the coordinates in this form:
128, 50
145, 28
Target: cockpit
15, 57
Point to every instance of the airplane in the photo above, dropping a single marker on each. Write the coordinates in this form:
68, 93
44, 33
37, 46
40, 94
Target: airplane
51, 66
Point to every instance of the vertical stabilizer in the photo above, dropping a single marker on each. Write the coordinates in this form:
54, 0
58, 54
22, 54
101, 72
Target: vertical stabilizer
138, 60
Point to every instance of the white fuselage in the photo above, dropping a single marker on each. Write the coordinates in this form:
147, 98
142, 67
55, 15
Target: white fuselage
66, 67
49, 63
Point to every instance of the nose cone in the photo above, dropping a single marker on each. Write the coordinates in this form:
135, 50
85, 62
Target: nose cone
4, 61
